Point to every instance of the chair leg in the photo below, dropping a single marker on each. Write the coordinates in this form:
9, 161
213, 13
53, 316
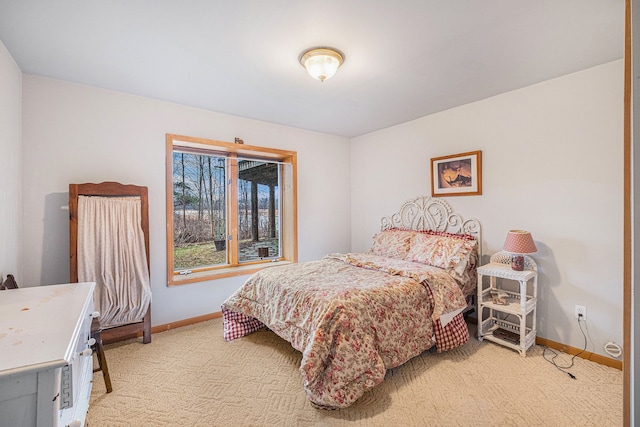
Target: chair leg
102, 359
102, 362
146, 327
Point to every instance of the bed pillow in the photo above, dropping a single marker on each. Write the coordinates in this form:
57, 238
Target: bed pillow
443, 250
465, 273
392, 243
462, 236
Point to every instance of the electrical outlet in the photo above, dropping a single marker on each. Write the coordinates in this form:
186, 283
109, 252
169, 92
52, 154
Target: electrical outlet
580, 312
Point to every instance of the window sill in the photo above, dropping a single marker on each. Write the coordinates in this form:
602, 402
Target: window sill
219, 273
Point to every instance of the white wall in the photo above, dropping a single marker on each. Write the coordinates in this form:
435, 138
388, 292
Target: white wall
75, 133
11, 156
552, 164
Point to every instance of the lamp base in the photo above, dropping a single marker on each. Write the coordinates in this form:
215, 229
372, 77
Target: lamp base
517, 262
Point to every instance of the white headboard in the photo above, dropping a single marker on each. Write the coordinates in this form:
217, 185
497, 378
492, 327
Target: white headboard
430, 213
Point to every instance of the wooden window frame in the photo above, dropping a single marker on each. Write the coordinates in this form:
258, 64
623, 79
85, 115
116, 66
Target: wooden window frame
233, 151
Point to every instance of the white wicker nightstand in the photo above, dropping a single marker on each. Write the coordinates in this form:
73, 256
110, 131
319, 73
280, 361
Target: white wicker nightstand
497, 306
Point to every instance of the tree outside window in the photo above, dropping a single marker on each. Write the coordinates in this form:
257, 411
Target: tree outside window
231, 208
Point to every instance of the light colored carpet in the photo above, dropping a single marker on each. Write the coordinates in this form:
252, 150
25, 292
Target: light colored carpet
191, 377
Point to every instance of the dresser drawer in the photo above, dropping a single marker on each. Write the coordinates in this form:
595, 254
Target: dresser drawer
82, 356
77, 376
76, 414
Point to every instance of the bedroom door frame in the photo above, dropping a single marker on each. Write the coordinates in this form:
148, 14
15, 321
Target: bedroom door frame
631, 235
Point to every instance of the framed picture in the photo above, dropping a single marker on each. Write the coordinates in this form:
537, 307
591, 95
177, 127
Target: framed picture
457, 174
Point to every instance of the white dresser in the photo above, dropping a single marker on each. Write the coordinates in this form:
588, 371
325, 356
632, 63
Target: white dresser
46, 366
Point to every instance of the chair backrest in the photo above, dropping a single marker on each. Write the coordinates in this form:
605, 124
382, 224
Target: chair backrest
9, 283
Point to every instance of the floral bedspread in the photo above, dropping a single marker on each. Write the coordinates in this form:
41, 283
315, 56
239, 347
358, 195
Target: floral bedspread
353, 316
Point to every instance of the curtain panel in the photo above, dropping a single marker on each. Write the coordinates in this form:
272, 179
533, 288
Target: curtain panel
111, 252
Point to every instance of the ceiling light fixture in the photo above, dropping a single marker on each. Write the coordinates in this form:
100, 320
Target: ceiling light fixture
321, 62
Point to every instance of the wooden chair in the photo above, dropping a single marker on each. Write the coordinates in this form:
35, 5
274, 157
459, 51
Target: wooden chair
110, 189
10, 283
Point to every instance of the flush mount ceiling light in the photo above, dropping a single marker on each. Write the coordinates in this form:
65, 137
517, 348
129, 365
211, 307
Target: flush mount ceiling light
321, 62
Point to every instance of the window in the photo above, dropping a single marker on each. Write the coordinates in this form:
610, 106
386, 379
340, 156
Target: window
231, 208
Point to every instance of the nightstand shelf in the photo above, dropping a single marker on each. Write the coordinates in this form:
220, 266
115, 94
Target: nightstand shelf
494, 326
507, 316
514, 304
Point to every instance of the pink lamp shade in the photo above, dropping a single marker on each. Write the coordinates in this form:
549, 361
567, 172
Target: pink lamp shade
519, 242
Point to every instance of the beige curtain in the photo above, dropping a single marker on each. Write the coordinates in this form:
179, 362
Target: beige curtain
111, 252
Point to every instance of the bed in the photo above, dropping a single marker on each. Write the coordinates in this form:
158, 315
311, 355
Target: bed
355, 315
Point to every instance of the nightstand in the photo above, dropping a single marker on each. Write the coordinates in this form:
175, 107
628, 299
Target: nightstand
508, 317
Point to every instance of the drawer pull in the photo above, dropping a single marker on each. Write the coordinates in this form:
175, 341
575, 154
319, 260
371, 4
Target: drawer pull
86, 352
91, 342
95, 314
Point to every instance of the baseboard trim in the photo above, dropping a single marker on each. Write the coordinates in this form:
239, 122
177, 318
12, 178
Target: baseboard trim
186, 322
603, 360
607, 361
166, 327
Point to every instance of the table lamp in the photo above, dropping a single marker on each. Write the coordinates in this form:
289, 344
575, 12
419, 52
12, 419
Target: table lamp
518, 243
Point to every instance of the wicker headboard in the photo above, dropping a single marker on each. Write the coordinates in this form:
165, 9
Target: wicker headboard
430, 213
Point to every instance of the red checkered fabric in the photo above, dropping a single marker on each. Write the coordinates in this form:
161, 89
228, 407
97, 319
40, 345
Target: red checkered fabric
451, 336
454, 334
237, 325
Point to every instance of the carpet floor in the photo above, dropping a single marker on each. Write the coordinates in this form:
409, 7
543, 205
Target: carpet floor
190, 377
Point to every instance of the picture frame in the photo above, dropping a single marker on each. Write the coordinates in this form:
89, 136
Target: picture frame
457, 174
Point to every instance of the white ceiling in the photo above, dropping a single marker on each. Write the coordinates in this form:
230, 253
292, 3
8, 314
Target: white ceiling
404, 59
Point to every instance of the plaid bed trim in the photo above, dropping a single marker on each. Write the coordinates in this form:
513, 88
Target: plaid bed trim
451, 336
454, 334
237, 325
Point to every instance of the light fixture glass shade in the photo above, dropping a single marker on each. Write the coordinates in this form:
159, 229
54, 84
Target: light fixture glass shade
321, 63
519, 242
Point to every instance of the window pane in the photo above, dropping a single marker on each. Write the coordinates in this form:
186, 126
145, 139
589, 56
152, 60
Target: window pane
215, 191
258, 210
199, 211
